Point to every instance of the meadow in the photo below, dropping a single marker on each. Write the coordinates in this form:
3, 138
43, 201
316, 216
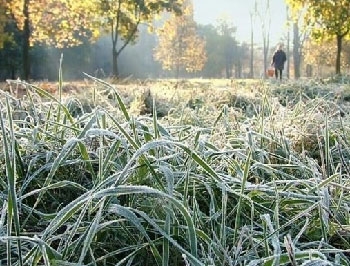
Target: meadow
175, 172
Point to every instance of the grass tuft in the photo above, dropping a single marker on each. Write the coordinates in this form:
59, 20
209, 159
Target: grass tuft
214, 173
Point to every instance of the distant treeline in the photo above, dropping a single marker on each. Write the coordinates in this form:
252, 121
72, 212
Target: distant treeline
93, 58
137, 60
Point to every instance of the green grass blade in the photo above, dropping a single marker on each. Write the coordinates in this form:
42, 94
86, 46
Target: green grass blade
119, 99
240, 200
125, 190
66, 150
10, 166
132, 218
91, 232
168, 219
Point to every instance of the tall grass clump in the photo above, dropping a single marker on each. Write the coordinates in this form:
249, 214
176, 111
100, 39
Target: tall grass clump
202, 186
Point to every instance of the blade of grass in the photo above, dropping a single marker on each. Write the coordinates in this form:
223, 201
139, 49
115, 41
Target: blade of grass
224, 198
124, 190
168, 219
274, 239
119, 99
91, 232
10, 165
163, 143
66, 150
132, 218
240, 200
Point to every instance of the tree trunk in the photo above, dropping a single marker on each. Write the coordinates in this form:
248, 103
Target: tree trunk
266, 46
227, 58
115, 62
265, 17
115, 38
288, 45
266, 50
296, 51
251, 72
339, 48
26, 41
238, 70
228, 70
288, 61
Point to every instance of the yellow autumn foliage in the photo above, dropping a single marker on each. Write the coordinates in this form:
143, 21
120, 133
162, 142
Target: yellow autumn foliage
180, 48
57, 22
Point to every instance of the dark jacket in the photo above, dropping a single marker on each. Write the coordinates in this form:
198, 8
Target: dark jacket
278, 59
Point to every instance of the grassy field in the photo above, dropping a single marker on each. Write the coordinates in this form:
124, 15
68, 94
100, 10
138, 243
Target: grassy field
191, 172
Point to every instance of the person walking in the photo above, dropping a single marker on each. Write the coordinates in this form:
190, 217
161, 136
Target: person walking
278, 60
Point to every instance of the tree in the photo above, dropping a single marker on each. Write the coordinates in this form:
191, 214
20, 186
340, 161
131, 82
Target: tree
4, 36
217, 59
179, 47
251, 62
240, 58
288, 41
263, 12
226, 30
66, 23
59, 23
322, 55
213, 49
10, 52
297, 50
122, 18
8, 47
300, 33
224, 53
328, 18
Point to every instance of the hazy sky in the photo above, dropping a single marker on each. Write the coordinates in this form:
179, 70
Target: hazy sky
208, 11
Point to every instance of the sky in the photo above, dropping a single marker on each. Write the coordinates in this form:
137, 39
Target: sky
208, 11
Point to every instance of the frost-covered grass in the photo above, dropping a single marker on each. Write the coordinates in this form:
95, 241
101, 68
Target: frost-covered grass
227, 173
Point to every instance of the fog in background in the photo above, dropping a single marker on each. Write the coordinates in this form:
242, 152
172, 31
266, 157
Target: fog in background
239, 12
137, 60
